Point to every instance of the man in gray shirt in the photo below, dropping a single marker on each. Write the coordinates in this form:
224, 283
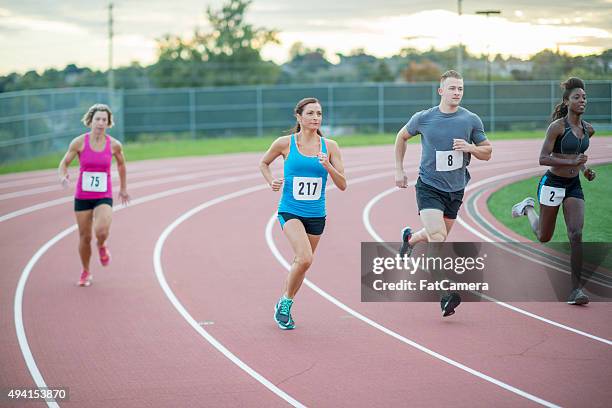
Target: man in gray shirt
450, 135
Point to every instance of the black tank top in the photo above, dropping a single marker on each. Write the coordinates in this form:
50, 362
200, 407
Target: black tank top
568, 143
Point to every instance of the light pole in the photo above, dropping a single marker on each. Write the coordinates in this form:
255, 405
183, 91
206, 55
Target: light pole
111, 74
460, 49
488, 13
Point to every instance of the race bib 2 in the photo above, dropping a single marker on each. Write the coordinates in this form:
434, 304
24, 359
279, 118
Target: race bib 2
552, 196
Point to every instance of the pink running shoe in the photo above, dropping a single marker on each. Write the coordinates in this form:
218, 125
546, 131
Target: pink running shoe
105, 256
85, 279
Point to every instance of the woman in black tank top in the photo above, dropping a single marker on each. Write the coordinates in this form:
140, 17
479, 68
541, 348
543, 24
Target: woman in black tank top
567, 139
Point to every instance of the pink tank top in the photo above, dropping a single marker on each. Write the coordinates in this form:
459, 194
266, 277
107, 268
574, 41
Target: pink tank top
95, 172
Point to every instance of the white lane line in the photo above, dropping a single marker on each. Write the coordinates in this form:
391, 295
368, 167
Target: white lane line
330, 298
18, 300
133, 185
159, 273
368, 226
52, 179
544, 258
185, 174
62, 200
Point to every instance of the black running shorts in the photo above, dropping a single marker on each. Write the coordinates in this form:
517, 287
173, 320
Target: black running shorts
429, 197
85, 205
312, 225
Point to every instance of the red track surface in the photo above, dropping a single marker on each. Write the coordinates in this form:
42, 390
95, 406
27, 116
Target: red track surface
121, 342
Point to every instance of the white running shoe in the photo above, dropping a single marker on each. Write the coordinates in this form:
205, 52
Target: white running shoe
518, 209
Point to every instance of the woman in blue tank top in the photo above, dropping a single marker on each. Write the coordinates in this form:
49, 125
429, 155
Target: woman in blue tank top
567, 139
309, 159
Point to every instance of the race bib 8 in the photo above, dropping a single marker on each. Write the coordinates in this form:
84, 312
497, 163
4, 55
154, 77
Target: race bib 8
94, 181
449, 160
307, 188
552, 196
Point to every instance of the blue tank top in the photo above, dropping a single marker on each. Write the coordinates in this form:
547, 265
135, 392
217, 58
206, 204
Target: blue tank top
305, 181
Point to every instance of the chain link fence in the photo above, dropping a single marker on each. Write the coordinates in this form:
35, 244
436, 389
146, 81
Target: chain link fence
34, 123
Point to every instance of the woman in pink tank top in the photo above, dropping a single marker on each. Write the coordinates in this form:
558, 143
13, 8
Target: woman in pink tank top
93, 199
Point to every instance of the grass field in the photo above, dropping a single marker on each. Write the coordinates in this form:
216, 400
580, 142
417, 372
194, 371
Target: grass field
202, 147
597, 217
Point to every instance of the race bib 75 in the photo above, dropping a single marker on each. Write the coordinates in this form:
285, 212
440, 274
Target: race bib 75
94, 181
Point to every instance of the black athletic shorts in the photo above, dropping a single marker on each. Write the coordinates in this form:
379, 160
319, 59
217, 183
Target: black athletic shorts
85, 205
572, 187
312, 225
429, 197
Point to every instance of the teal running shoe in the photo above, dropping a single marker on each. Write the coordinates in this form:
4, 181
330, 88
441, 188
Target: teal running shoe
282, 313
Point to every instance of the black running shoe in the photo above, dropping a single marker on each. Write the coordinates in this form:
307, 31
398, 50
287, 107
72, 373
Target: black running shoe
577, 297
449, 302
406, 249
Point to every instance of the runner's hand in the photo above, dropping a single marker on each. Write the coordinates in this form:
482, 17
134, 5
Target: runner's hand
462, 145
589, 174
580, 159
124, 197
324, 160
65, 180
401, 180
277, 184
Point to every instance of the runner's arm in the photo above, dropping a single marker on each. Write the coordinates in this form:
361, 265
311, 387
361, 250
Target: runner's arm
401, 141
546, 159
335, 167
275, 150
73, 151
482, 150
122, 170
121, 167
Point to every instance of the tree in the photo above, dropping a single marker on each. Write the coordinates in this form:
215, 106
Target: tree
228, 54
425, 71
383, 73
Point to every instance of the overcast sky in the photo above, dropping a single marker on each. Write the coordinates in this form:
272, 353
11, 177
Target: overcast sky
44, 34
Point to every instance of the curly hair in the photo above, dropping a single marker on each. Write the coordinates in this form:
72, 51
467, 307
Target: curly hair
98, 107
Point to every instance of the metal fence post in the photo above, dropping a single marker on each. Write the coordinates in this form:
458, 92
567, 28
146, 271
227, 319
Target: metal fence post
330, 103
192, 113
121, 102
492, 106
552, 96
434, 94
259, 97
381, 108
26, 113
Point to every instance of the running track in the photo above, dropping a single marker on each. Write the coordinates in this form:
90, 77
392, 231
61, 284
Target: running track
183, 315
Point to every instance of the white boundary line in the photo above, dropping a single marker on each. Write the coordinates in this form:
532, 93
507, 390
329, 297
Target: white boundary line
159, 273
18, 300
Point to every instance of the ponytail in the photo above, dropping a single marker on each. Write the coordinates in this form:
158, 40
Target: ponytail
560, 111
568, 86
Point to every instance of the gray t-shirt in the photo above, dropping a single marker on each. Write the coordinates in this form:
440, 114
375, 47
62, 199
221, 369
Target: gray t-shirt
441, 167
